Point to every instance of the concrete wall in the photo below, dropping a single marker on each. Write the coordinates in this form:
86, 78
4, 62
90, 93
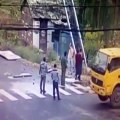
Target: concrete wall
26, 20
49, 36
36, 34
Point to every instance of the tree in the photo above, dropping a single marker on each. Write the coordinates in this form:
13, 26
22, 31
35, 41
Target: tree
100, 17
22, 3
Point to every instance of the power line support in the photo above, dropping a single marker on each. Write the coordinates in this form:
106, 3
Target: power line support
78, 28
68, 21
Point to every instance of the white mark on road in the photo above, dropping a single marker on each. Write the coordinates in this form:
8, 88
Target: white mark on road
73, 89
6, 94
21, 94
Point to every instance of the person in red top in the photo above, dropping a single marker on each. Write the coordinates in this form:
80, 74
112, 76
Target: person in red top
78, 64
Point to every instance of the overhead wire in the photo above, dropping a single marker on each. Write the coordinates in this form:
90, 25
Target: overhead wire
22, 27
26, 28
19, 27
56, 5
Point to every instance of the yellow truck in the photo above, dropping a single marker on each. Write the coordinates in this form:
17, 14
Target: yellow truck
105, 75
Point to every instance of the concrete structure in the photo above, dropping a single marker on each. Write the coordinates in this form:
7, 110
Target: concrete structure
35, 16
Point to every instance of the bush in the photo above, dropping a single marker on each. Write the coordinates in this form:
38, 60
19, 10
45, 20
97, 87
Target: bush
27, 52
52, 55
30, 53
6, 45
93, 41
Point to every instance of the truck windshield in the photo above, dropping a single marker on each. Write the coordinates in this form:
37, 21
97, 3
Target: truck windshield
100, 63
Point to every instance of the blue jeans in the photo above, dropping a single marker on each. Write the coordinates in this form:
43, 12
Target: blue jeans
55, 86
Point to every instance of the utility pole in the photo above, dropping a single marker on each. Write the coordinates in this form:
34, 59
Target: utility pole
78, 28
69, 26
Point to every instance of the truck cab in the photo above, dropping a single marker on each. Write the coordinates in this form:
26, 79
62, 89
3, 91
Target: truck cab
105, 75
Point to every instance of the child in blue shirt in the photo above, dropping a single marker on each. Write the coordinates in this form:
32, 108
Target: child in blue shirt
55, 78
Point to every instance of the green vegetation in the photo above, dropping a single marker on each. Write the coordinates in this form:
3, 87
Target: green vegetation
93, 41
9, 15
10, 11
29, 53
10, 40
26, 52
33, 54
99, 18
52, 55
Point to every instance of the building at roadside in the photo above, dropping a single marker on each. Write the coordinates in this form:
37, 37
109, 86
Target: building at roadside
34, 13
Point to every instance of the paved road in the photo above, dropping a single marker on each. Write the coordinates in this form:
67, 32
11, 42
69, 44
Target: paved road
20, 99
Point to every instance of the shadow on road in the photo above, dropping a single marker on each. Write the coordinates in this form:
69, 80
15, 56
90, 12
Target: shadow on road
103, 106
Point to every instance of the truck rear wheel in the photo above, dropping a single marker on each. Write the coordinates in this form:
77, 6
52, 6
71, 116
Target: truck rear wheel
103, 98
115, 97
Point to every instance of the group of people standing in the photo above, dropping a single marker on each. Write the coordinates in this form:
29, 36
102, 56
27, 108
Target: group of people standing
72, 62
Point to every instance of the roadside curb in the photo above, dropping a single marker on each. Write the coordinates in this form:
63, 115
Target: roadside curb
22, 75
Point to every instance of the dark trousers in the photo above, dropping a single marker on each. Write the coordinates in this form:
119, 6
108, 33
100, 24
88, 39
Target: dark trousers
55, 86
42, 84
78, 71
63, 77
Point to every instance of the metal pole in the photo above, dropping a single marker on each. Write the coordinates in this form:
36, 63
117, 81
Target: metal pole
68, 21
79, 33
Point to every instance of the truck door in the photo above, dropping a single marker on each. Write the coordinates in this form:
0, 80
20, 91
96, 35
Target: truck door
114, 72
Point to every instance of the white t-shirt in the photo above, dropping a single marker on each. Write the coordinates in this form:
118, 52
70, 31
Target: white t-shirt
71, 53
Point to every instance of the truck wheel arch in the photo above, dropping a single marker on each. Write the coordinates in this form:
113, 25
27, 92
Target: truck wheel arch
115, 96
117, 85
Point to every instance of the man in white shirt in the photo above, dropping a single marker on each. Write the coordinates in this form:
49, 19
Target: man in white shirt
71, 58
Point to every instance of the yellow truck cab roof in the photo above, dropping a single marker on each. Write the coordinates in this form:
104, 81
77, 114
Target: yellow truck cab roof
112, 52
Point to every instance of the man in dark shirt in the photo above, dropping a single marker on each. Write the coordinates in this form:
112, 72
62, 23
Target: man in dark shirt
63, 69
78, 64
42, 71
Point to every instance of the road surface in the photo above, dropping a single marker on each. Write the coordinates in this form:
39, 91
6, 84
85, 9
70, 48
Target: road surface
20, 99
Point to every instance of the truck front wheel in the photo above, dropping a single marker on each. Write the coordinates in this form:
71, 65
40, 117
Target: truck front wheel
115, 97
103, 98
